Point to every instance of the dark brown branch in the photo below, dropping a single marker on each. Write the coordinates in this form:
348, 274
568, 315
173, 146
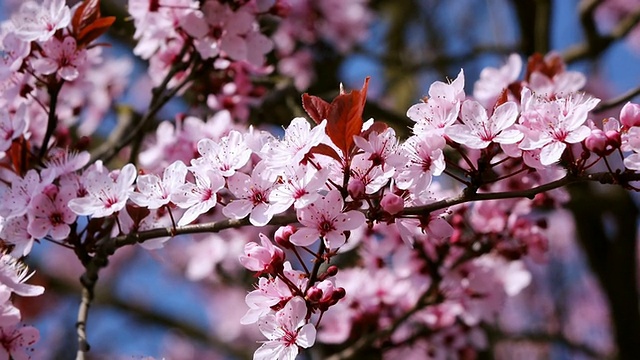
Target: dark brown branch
161, 96
612, 103
596, 43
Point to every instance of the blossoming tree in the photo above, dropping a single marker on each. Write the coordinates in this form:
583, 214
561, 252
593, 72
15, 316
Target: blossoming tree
411, 238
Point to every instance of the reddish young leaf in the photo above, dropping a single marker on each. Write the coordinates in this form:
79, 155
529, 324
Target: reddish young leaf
377, 126
550, 66
317, 108
87, 13
345, 118
324, 149
94, 30
503, 98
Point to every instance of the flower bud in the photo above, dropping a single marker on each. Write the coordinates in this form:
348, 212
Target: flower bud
356, 188
392, 203
314, 294
630, 115
596, 141
614, 139
283, 234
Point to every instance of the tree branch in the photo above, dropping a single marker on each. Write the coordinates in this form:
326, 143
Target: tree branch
597, 43
110, 148
612, 103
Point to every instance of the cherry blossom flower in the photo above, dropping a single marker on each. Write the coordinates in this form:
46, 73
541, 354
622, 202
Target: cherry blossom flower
227, 156
154, 192
62, 162
273, 291
105, 195
50, 213
551, 125
325, 219
252, 197
61, 57
493, 81
9, 314
14, 274
12, 53
287, 330
40, 22
263, 259
299, 187
298, 139
17, 199
381, 149
15, 342
218, 29
11, 126
478, 131
426, 160
440, 109
14, 231
200, 197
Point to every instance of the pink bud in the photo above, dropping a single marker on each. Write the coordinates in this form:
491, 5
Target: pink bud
614, 139
283, 234
392, 203
630, 115
314, 294
356, 188
596, 141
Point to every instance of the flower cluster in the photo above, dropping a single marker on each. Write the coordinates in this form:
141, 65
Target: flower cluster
15, 341
432, 265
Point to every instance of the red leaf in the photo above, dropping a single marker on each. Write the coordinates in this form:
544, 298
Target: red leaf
377, 126
87, 13
503, 98
324, 149
317, 108
94, 30
345, 118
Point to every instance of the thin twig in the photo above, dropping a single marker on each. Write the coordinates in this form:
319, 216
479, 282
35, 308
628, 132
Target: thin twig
109, 149
612, 103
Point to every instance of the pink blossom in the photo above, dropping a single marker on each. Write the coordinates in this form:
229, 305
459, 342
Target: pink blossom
381, 149
11, 126
13, 51
61, 57
40, 22
227, 156
630, 115
392, 203
15, 342
440, 109
14, 231
263, 259
9, 314
426, 160
252, 197
551, 125
50, 214
14, 274
478, 130
200, 197
272, 291
493, 81
105, 195
298, 139
287, 330
22, 190
299, 187
154, 192
324, 218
